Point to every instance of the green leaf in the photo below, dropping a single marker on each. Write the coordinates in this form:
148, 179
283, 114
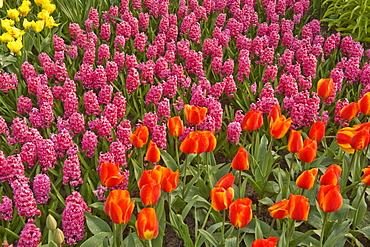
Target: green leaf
97, 240
230, 242
96, 224
169, 161
211, 239
97, 205
365, 231
181, 228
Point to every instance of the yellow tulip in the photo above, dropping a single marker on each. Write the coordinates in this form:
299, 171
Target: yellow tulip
43, 15
27, 24
1, 3
26, 3
13, 14
49, 7
15, 46
7, 23
50, 22
24, 10
41, 2
38, 26
6, 37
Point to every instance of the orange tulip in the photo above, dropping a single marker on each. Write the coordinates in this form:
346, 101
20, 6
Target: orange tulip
212, 142
153, 154
240, 212
274, 114
221, 198
252, 120
325, 87
295, 141
350, 111
329, 198
269, 242
170, 179
307, 179
279, 127
226, 181
150, 177
317, 131
175, 125
110, 174
344, 137
331, 175
199, 142
308, 152
147, 225
280, 209
140, 137
195, 114
118, 206
360, 140
366, 177
364, 104
150, 194
298, 207
240, 161
189, 145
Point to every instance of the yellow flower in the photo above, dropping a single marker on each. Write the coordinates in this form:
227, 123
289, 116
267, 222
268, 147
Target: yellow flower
24, 10
41, 2
15, 46
1, 3
7, 23
13, 14
6, 37
49, 7
50, 22
15, 32
27, 24
38, 26
26, 3
43, 15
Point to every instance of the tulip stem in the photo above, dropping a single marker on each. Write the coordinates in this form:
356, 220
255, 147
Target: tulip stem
271, 226
141, 158
150, 243
291, 231
240, 184
238, 237
358, 204
185, 167
347, 170
223, 228
177, 152
323, 229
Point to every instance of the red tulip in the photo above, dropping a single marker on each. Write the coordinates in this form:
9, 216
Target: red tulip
140, 137
252, 120
240, 161
110, 174
325, 87
150, 193
366, 177
350, 111
189, 145
317, 131
195, 114
226, 181
329, 198
360, 140
221, 198
175, 126
270, 242
308, 152
169, 180
295, 141
150, 177
331, 175
118, 206
280, 127
307, 179
240, 212
153, 154
298, 207
364, 104
212, 142
274, 114
147, 224
279, 210
344, 137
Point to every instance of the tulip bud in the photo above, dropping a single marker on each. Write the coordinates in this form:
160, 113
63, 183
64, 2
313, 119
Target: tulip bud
58, 236
51, 223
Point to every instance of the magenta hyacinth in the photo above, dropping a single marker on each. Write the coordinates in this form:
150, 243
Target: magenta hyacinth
30, 235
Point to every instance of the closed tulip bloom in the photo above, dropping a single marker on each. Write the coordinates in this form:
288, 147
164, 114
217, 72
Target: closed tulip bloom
110, 174
331, 175
317, 131
221, 198
212, 141
252, 120
329, 198
269, 242
364, 104
140, 136
360, 140
153, 154
308, 152
119, 206
240, 212
274, 114
298, 207
150, 177
307, 179
169, 180
325, 87
280, 127
175, 125
366, 177
147, 225
350, 111
240, 161
189, 145
344, 137
280, 209
226, 181
295, 141
150, 194
195, 114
